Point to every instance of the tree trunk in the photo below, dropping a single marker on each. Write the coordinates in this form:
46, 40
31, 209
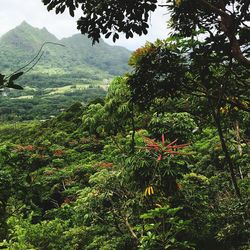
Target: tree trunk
237, 132
216, 116
133, 129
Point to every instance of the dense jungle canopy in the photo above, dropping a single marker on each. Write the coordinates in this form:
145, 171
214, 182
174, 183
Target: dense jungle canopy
160, 161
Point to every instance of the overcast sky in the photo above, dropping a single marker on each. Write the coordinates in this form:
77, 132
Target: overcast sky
13, 12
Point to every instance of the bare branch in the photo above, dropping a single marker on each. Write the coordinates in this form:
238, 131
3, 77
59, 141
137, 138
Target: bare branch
130, 228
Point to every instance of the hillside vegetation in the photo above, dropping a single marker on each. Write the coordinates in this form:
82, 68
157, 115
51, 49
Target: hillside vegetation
108, 176
158, 161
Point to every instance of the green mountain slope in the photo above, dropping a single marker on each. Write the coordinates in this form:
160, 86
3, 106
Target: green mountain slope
64, 75
77, 62
112, 59
20, 44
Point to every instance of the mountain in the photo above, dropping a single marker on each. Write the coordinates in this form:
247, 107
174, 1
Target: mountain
113, 59
25, 37
78, 61
74, 72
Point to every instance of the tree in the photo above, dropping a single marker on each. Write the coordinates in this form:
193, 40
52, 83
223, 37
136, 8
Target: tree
163, 70
225, 23
108, 17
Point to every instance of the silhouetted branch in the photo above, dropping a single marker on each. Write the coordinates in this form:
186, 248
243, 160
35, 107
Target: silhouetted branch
38, 55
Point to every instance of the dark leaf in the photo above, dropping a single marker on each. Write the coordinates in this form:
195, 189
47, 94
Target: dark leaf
15, 76
14, 86
71, 12
63, 8
2, 79
46, 2
116, 36
108, 34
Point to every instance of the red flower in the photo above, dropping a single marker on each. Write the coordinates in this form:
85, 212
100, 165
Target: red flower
58, 152
105, 164
30, 148
163, 149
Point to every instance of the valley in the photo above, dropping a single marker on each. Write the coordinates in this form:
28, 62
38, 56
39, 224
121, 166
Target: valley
69, 70
102, 148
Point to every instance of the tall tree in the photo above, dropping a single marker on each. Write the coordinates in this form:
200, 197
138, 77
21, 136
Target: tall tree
225, 22
176, 67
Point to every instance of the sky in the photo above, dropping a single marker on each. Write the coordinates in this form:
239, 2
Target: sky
13, 12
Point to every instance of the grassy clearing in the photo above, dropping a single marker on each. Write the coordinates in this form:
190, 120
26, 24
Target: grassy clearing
24, 97
65, 89
73, 88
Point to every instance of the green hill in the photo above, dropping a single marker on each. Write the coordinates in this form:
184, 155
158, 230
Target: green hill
76, 72
111, 59
77, 62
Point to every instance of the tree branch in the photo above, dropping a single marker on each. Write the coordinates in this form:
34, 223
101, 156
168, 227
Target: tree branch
217, 120
213, 8
130, 228
228, 23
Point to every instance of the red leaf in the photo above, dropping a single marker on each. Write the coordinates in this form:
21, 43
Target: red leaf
163, 139
159, 157
171, 143
180, 146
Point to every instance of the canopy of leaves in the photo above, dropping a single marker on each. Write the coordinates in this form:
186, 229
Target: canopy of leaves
226, 23
158, 72
179, 66
108, 17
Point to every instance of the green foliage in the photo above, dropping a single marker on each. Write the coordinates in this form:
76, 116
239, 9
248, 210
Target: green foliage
175, 125
47, 235
118, 105
97, 176
161, 227
63, 188
158, 73
225, 24
128, 18
92, 119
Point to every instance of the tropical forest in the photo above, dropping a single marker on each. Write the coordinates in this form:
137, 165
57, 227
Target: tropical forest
105, 148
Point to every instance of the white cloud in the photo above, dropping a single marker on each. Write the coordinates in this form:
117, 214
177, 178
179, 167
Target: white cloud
13, 12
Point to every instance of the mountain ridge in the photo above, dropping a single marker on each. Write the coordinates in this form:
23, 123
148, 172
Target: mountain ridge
26, 24
19, 45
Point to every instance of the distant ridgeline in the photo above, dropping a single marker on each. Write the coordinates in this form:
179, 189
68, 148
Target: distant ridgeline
77, 70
